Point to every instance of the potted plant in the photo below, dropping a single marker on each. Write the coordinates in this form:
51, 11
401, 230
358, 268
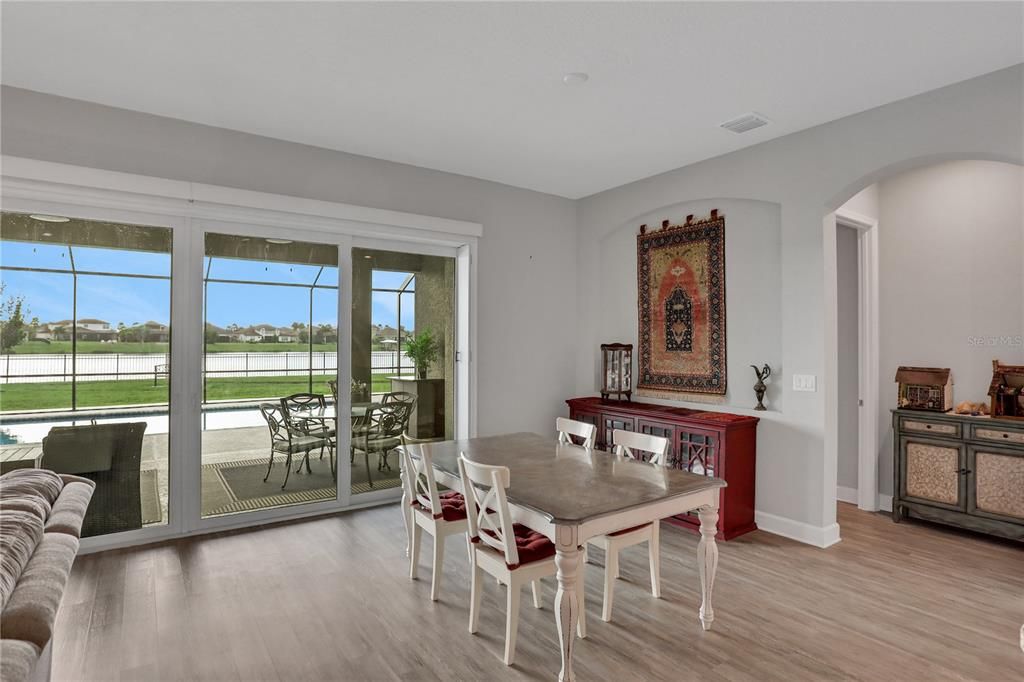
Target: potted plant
422, 349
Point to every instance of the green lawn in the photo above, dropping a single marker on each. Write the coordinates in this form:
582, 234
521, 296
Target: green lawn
41, 347
56, 395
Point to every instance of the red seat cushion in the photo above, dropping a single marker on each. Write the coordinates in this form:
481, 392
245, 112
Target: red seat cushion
629, 530
453, 506
531, 545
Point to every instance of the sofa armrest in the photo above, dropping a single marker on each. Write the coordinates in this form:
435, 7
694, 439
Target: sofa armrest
31, 610
69, 508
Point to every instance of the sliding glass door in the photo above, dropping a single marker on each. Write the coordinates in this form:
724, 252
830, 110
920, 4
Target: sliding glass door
85, 309
212, 374
270, 339
403, 359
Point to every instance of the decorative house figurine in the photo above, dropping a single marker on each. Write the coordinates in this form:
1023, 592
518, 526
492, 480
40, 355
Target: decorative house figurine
616, 370
1007, 390
925, 388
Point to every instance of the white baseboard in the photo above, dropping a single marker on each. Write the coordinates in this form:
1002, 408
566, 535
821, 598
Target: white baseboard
796, 530
844, 494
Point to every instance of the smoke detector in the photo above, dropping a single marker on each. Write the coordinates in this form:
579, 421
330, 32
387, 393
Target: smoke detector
746, 122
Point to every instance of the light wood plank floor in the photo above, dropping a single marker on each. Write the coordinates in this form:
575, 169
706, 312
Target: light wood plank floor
329, 598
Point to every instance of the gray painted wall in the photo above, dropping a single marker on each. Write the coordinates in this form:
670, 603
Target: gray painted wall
950, 279
753, 264
808, 174
527, 265
533, 261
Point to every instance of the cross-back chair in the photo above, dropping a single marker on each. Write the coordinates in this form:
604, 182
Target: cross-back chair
644, 448
510, 552
440, 514
570, 429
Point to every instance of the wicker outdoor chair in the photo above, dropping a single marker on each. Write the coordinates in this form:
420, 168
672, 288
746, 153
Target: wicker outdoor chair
110, 455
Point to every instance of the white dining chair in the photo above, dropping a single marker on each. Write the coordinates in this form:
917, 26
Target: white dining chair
441, 515
631, 445
568, 428
510, 552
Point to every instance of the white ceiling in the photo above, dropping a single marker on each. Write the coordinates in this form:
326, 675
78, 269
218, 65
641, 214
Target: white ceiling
476, 88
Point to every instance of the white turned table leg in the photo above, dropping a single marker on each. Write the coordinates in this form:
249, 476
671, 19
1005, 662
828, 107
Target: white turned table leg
567, 561
406, 515
707, 561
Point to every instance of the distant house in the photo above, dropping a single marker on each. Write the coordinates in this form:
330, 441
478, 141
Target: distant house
248, 335
219, 334
155, 332
287, 335
87, 329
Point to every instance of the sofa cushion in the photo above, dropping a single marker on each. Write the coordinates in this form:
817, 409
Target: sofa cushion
27, 503
21, 532
31, 482
31, 610
17, 660
68, 511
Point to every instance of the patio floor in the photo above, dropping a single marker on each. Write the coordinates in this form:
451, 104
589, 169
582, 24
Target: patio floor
245, 452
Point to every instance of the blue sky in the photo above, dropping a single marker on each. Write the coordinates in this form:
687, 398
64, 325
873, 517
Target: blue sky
132, 300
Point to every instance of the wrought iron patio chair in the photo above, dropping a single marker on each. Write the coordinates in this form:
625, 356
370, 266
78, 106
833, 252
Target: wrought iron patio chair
398, 397
308, 426
385, 425
288, 442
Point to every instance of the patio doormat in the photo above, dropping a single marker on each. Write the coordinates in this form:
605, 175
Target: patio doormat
230, 487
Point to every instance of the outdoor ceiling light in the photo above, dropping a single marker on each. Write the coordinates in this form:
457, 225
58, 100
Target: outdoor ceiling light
270, 240
49, 218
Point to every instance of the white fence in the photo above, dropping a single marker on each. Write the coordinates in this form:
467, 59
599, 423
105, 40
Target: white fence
18, 369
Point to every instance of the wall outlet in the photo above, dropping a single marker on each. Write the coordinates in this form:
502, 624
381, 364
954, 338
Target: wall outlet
805, 382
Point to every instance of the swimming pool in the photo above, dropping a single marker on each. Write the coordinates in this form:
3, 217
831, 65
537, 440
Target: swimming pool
212, 419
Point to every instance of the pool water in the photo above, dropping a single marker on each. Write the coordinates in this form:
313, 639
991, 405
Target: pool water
35, 431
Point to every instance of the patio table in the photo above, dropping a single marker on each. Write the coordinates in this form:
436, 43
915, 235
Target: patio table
20, 457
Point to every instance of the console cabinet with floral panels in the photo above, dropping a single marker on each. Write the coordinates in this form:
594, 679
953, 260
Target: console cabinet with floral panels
960, 470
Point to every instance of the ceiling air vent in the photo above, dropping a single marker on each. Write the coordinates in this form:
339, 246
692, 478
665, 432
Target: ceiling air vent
742, 124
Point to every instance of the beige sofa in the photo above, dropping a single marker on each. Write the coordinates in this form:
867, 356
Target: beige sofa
41, 516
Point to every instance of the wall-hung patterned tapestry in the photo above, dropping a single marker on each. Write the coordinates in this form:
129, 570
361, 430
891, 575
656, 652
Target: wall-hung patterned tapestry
681, 287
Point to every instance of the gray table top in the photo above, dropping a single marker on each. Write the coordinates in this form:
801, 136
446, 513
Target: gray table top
567, 483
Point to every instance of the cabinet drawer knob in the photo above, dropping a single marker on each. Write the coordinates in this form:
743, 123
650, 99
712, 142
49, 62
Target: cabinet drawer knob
927, 426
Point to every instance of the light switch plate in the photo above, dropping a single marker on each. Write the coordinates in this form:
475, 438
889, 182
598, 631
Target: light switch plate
805, 382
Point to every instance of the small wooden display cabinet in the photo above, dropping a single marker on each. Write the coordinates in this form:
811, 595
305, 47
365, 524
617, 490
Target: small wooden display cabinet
716, 444
960, 470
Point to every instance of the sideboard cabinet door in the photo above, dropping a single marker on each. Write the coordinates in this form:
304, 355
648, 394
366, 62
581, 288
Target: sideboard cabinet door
996, 488
697, 451
612, 423
931, 471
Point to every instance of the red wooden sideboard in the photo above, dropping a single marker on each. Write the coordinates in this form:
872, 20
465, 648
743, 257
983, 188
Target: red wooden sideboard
712, 443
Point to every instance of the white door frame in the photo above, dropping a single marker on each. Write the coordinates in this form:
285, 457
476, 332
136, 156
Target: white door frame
31, 186
868, 350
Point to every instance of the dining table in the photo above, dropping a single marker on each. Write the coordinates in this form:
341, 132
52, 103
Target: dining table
571, 493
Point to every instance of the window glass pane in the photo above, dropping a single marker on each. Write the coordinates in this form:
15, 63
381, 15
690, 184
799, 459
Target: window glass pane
399, 299
270, 335
85, 360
